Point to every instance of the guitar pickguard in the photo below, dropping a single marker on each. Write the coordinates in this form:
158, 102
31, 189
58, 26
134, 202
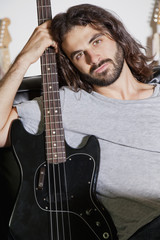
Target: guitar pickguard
65, 207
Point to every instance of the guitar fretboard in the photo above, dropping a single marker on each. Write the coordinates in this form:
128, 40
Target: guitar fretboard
54, 132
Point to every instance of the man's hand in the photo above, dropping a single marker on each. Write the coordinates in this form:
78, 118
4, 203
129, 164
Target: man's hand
38, 42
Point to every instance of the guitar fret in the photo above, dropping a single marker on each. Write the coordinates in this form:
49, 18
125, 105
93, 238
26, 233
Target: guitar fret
58, 147
57, 141
58, 135
53, 91
51, 73
48, 60
48, 55
42, 6
50, 91
56, 157
55, 129
49, 101
58, 154
57, 110
53, 137
54, 122
52, 115
52, 110
55, 144
49, 83
54, 100
49, 86
52, 94
43, 20
51, 140
55, 133
49, 113
61, 134
48, 108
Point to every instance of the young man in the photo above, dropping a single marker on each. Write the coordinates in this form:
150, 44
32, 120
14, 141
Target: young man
108, 97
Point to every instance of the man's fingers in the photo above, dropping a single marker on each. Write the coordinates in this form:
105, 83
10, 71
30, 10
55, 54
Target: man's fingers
46, 24
54, 44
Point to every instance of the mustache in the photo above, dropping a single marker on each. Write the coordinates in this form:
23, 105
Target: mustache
95, 66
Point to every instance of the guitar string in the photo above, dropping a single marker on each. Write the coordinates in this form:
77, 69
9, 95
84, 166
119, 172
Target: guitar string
48, 167
54, 154
57, 223
62, 142
59, 177
59, 169
56, 188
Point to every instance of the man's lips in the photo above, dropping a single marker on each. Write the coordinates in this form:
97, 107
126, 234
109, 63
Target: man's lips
102, 68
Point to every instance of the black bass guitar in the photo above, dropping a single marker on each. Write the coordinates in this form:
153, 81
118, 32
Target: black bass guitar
56, 198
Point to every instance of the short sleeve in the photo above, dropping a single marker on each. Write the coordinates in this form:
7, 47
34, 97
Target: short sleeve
31, 115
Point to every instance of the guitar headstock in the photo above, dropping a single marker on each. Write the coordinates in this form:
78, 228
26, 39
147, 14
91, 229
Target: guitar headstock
156, 14
5, 37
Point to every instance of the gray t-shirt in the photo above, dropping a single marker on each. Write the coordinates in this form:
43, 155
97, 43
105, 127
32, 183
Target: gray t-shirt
129, 135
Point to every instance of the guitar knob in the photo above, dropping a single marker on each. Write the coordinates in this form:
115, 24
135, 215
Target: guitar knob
89, 211
98, 224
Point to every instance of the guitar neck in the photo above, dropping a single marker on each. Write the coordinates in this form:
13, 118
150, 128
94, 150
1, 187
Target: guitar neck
54, 132
43, 11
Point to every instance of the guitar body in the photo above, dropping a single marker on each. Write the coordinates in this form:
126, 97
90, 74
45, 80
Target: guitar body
43, 210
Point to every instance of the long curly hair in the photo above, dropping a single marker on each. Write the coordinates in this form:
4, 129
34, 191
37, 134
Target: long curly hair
98, 18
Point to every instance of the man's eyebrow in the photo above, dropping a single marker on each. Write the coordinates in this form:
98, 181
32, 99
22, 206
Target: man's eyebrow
90, 41
95, 36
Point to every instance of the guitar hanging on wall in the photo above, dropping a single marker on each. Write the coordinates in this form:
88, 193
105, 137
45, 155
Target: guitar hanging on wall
5, 39
56, 198
156, 36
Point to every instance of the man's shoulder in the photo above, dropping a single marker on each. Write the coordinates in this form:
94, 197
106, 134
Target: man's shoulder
69, 92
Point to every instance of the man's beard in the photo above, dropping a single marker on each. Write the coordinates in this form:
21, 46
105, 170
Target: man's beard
107, 77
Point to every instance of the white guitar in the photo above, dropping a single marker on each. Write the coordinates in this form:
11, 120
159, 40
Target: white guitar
156, 36
5, 39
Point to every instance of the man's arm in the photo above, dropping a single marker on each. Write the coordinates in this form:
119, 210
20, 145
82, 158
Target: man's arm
38, 42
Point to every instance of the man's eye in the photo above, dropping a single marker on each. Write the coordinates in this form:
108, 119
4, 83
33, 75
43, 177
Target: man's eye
97, 42
79, 55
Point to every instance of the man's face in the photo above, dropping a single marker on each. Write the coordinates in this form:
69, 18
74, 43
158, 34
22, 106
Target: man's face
95, 54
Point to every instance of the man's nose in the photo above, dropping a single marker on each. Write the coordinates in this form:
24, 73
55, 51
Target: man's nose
92, 57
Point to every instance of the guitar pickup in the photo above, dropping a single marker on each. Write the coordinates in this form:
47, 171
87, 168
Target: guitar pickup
41, 178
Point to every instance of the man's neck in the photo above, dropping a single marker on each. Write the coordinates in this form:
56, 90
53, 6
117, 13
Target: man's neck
126, 87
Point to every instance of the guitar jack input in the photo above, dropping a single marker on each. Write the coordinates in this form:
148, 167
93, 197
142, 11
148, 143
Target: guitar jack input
105, 235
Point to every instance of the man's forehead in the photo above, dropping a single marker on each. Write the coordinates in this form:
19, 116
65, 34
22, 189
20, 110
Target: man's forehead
78, 36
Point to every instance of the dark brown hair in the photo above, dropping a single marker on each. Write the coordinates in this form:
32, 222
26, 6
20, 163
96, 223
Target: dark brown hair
99, 18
